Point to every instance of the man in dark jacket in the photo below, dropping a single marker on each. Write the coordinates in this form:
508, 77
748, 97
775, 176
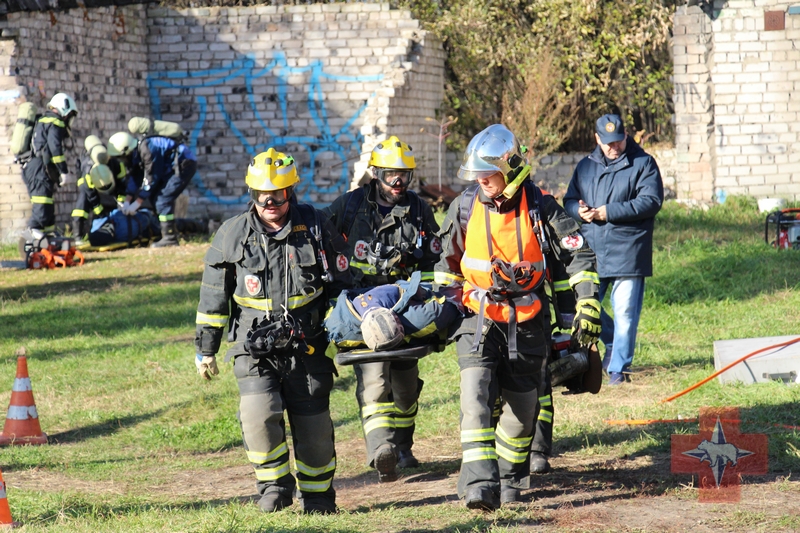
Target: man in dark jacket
616, 192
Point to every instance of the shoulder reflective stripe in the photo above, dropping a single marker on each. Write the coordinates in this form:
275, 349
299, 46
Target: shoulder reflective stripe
41, 200
273, 474
218, 321
58, 159
481, 265
484, 453
261, 457
315, 470
52, 120
79, 213
446, 278
373, 409
477, 435
562, 285
584, 276
517, 442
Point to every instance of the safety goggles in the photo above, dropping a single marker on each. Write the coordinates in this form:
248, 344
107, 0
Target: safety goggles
271, 198
395, 178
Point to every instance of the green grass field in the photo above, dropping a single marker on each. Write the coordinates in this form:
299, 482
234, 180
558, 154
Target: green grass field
138, 442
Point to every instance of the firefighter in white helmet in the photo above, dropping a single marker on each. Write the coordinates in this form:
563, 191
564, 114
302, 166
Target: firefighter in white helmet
269, 275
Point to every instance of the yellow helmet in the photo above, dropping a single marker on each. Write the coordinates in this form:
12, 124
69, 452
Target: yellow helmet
122, 144
271, 171
393, 153
101, 177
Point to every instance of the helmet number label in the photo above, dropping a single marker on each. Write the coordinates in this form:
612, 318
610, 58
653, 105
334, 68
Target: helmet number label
572, 242
253, 284
360, 250
342, 263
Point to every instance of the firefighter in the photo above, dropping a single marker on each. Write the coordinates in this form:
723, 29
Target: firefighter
391, 233
156, 160
101, 191
494, 239
47, 167
269, 275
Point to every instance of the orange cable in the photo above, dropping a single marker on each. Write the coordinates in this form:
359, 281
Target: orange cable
718, 372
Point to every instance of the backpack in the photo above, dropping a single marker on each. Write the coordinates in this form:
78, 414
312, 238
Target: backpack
22, 136
150, 128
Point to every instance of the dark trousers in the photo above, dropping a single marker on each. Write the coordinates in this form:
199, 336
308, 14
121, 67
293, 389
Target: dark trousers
41, 190
164, 199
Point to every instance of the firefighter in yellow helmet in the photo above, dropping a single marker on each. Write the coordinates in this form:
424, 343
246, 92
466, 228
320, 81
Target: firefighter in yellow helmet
391, 233
495, 239
268, 276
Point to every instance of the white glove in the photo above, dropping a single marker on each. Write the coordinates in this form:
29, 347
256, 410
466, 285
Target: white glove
66, 179
206, 365
124, 207
133, 207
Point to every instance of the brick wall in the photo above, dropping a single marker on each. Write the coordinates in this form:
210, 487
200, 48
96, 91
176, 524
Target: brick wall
98, 56
322, 82
737, 100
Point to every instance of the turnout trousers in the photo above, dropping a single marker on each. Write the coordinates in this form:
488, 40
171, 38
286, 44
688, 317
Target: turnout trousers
164, 199
264, 396
387, 394
41, 190
493, 457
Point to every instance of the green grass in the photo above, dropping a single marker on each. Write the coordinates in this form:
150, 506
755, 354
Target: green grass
110, 354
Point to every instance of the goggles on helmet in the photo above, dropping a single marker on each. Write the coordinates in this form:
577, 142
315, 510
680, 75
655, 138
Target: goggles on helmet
271, 198
394, 178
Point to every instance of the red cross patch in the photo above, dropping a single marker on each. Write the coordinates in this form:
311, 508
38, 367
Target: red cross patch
360, 251
342, 263
572, 242
253, 284
436, 245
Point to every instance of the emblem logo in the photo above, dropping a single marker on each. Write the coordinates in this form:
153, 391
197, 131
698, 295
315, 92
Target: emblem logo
572, 242
360, 250
342, 263
436, 245
610, 127
720, 448
253, 284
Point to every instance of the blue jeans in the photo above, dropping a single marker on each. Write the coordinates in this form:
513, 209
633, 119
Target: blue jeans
619, 333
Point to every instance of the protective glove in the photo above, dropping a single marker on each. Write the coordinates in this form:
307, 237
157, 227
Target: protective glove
206, 365
66, 179
586, 326
124, 207
134, 207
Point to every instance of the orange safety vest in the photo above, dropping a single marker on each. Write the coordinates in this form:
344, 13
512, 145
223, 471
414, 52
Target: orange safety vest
491, 235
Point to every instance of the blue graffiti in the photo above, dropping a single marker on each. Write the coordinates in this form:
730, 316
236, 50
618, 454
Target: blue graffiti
346, 140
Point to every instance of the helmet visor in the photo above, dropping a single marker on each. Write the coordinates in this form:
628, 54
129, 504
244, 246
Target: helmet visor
271, 198
395, 178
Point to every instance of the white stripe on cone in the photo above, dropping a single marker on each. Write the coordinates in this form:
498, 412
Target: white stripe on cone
22, 412
21, 385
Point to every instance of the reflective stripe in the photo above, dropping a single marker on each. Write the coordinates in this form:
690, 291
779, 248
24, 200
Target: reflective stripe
562, 285
404, 422
546, 416
517, 442
509, 455
21, 385
316, 470
314, 486
546, 401
80, 181
88, 179
58, 159
79, 213
584, 276
445, 278
377, 408
217, 321
261, 457
427, 276
479, 454
294, 301
473, 263
41, 200
166, 218
379, 422
411, 410
272, 474
52, 120
477, 435
366, 268
21, 412
97, 210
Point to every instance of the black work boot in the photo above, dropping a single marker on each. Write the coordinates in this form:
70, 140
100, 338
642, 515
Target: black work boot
406, 459
79, 231
274, 501
169, 235
386, 463
539, 463
481, 499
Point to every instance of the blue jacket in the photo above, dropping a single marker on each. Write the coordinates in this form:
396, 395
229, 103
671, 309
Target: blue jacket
156, 156
632, 191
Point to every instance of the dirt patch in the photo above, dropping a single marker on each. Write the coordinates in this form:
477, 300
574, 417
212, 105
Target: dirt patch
580, 493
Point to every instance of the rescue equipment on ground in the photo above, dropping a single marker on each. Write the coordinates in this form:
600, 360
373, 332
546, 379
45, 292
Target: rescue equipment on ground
22, 421
578, 368
96, 150
162, 128
782, 229
21, 137
50, 251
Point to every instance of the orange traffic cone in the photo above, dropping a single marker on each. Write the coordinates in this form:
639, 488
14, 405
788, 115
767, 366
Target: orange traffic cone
5, 511
22, 421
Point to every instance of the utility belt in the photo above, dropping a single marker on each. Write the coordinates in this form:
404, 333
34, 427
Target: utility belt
276, 339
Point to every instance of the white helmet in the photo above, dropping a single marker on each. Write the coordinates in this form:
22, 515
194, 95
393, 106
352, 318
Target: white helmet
122, 144
493, 150
63, 104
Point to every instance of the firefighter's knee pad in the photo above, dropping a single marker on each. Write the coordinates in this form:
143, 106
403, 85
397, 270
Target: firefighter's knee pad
476, 397
406, 386
375, 382
313, 438
519, 412
260, 416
